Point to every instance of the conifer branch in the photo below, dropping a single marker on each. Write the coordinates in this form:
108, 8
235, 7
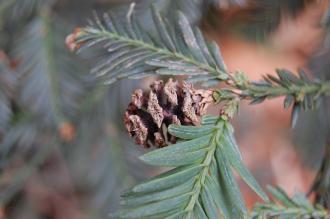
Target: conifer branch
40, 64
296, 89
299, 91
49, 69
135, 53
201, 184
202, 163
285, 207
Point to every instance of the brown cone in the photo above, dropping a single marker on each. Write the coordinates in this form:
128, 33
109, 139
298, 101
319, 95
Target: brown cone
150, 113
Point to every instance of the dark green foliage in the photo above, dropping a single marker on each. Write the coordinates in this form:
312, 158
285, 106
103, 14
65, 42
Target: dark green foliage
260, 19
179, 49
267, 15
43, 88
197, 10
49, 84
16, 10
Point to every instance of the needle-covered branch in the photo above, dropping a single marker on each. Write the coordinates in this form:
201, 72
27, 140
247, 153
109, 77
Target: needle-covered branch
201, 185
132, 52
180, 49
299, 91
285, 207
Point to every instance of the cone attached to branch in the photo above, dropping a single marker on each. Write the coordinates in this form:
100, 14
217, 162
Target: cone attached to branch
150, 113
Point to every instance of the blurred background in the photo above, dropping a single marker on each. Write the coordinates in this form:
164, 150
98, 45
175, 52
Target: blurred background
64, 152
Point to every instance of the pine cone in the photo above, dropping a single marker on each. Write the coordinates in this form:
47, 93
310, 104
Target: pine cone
149, 114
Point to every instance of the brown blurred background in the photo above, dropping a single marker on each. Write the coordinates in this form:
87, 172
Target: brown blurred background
263, 131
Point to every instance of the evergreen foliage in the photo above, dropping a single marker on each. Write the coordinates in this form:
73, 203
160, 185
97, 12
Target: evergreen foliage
48, 105
44, 113
177, 50
187, 191
285, 207
201, 184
